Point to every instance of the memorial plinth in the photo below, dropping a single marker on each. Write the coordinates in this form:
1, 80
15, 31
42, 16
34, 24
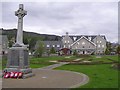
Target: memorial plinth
18, 55
18, 61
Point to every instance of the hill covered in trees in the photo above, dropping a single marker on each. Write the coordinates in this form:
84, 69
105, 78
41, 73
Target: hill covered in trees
29, 38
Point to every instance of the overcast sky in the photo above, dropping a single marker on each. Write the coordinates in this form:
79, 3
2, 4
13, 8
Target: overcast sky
79, 18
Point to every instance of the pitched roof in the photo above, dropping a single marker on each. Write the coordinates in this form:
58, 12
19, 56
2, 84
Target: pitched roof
87, 36
84, 38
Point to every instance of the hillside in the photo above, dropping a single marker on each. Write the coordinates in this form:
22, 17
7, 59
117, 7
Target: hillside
28, 37
12, 33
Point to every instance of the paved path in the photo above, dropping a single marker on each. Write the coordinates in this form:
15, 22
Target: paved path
54, 65
47, 78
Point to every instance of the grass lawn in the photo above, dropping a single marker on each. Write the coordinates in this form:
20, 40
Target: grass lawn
41, 62
44, 61
101, 76
113, 57
103, 58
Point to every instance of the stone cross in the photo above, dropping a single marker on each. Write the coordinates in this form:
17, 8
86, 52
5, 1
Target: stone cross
18, 55
20, 13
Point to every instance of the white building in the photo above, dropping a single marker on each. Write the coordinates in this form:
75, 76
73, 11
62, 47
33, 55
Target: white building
85, 44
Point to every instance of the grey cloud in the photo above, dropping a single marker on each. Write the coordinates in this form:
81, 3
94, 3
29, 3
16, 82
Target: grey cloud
74, 17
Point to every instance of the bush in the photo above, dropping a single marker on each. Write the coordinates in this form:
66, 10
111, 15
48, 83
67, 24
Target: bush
93, 53
52, 50
75, 53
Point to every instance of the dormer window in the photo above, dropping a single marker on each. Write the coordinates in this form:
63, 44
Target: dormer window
74, 38
90, 38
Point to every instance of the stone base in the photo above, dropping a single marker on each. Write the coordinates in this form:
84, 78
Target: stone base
28, 75
26, 72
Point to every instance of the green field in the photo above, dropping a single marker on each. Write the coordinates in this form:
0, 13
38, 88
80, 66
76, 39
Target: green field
41, 62
101, 76
45, 61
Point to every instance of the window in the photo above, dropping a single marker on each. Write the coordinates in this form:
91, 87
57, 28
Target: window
69, 46
98, 45
83, 43
64, 46
65, 41
53, 45
58, 45
83, 46
100, 41
102, 46
68, 41
97, 41
48, 45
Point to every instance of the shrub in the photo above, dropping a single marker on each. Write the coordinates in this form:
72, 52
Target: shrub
52, 50
75, 53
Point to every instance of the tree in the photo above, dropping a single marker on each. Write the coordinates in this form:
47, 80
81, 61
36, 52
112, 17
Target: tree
118, 50
40, 49
75, 52
108, 48
107, 51
52, 50
25, 40
46, 38
32, 44
11, 41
